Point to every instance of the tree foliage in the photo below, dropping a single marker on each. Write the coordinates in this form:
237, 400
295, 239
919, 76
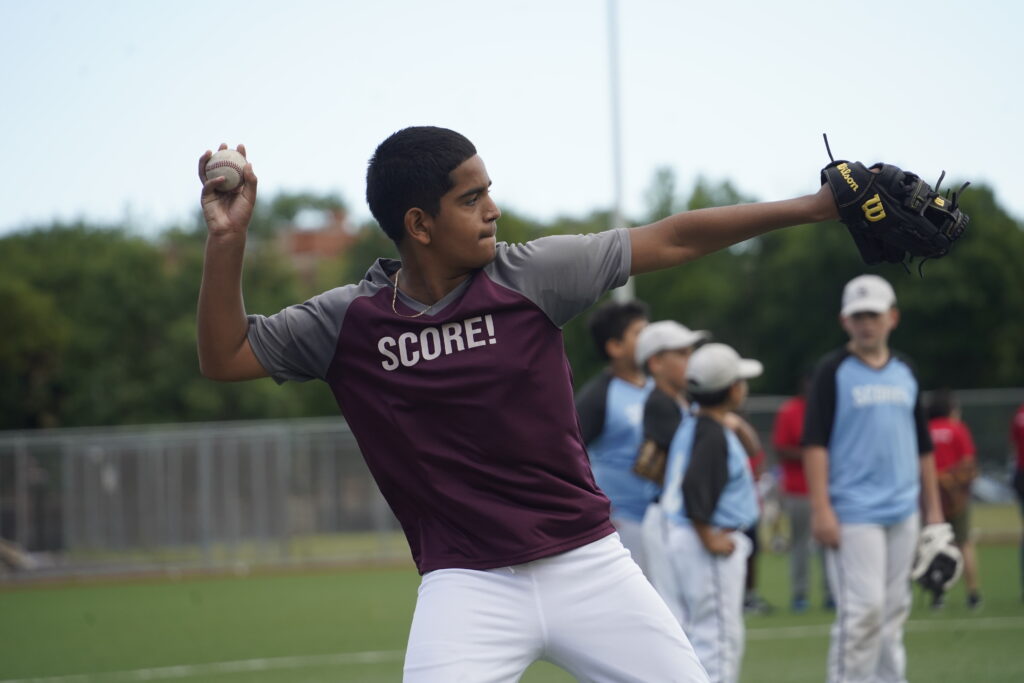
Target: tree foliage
99, 323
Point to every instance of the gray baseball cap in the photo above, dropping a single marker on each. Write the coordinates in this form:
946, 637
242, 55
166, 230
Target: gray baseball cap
714, 367
664, 335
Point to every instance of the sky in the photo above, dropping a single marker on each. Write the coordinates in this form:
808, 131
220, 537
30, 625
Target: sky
106, 106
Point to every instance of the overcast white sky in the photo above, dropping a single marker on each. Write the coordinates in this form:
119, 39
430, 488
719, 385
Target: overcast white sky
106, 105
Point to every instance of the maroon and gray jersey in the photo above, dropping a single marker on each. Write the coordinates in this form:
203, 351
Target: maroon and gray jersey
465, 414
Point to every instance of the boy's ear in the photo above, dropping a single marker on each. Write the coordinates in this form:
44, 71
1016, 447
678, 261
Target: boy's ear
613, 347
418, 225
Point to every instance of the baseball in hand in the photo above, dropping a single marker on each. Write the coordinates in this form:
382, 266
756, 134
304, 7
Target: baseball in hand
227, 163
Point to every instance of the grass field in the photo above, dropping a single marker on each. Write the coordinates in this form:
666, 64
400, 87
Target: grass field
352, 625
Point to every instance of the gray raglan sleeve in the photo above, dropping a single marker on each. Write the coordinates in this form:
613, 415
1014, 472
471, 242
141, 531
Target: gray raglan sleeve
298, 343
564, 274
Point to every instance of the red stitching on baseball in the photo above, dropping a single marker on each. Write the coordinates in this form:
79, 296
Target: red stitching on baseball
222, 163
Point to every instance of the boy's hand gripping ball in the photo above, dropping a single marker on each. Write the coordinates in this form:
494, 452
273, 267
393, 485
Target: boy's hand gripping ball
227, 163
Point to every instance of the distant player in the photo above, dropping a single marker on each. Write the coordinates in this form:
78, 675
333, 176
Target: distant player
611, 417
708, 502
450, 369
1017, 434
787, 437
753, 603
869, 467
956, 469
663, 350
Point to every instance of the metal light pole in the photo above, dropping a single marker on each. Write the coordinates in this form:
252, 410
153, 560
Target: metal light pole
626, 291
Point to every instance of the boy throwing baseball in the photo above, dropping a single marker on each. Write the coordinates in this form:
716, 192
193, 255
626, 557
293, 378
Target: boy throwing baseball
449, 366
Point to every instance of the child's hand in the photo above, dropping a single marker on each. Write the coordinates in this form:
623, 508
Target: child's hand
719, 543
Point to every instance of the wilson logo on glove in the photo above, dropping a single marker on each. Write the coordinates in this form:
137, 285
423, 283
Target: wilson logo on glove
844, 170
873, 209
892, 215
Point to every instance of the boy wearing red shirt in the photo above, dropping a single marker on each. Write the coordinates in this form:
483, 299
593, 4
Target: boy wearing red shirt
1017, 432
786, 435
955, 465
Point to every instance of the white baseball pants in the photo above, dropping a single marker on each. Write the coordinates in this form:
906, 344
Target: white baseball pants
659, 568
870, 578
589, 611
631, 535
707, 592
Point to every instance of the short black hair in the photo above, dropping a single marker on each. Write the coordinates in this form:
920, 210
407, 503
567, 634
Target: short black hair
711, 399
610, 320
941, 403
412, 169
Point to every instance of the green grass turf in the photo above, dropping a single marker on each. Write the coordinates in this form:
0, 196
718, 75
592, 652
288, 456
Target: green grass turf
352, 625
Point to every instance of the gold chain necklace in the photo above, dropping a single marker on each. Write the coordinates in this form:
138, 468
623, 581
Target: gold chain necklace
394, 298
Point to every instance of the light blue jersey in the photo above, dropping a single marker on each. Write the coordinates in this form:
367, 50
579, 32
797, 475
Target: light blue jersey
613, 451
708, 477
871, 422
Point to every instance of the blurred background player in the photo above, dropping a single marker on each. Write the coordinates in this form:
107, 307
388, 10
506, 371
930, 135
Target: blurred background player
787, 433
956, 468
1017, 434
753, 603
610, 407
708, 501
663, 351
869, 467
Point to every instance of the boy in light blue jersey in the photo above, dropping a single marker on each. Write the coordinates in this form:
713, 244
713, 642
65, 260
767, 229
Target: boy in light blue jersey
709, 500
610, 408
663, 351
869, 465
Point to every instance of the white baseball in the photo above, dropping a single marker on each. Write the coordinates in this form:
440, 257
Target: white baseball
227, 163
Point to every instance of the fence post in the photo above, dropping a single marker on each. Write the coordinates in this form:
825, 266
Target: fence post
204, 508
282, 490
22, 507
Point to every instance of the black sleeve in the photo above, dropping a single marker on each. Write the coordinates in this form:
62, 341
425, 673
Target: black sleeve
661, 419
924, 436
821, 401
707, 472
591, 404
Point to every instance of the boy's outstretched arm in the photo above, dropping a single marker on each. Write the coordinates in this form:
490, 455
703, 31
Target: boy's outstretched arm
690, 235
224, 351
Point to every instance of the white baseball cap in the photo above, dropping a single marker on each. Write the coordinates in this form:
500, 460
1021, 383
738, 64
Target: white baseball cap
664, 335
714, 367
867, 294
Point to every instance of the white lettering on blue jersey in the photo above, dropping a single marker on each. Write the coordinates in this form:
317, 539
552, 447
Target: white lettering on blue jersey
874, 474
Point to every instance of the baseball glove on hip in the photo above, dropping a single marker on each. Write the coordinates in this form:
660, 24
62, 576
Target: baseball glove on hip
893, 215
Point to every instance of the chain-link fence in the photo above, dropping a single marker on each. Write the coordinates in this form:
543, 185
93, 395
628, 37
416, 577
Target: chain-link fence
200, 495
233, 495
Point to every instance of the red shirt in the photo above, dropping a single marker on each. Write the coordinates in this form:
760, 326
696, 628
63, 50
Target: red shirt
952, 441
788, 431
1018, 436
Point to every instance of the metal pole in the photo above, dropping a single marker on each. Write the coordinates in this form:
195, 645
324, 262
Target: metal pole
626, 291
23, 535
69, 508
204, 509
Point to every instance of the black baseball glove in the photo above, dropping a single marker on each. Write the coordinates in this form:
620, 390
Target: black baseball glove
893, 215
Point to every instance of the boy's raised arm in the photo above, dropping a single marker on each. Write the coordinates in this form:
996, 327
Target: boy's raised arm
224, 351
690, 235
